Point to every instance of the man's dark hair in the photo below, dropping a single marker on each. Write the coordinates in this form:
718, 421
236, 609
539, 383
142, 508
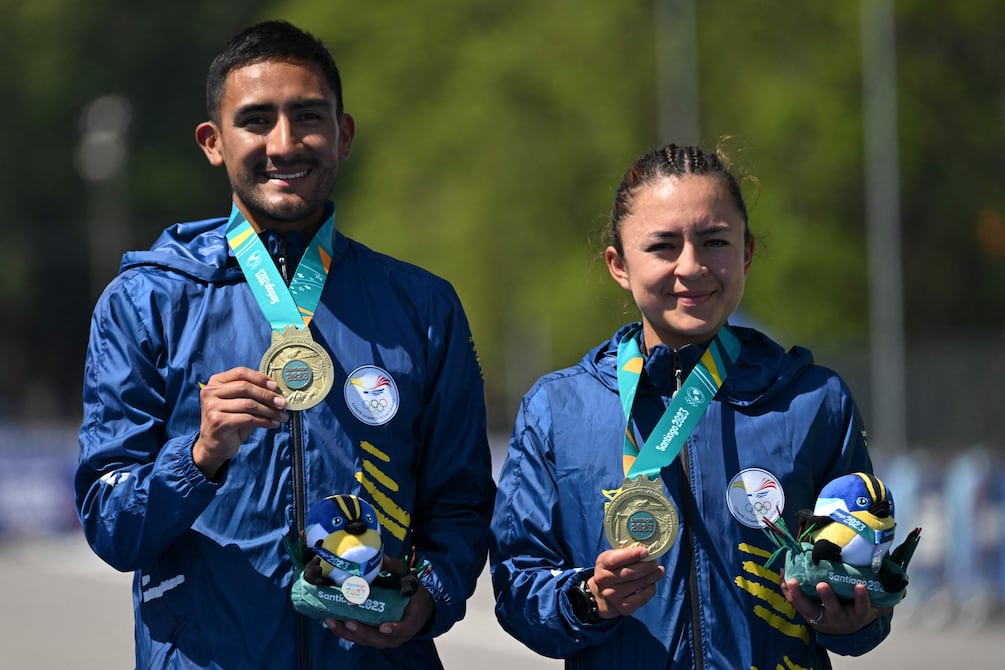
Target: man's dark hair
270, 40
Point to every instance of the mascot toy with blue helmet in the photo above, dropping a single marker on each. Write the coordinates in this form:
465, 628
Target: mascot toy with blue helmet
852, 522
845, 540
342, 576
343, 533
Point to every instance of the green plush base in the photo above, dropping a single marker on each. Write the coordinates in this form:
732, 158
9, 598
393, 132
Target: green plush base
323, 602
841, 577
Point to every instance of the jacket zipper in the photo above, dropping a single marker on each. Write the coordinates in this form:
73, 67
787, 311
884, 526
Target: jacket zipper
690, 513
299, 502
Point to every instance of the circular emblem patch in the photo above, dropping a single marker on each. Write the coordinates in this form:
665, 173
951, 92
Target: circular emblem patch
753, 495
371, 395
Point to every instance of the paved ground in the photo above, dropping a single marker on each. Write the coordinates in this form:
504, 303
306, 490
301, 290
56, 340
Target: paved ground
61, 608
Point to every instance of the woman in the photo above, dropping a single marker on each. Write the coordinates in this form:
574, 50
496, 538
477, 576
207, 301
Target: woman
672, 574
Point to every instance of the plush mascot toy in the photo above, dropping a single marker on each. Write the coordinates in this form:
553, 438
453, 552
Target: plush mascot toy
340, 564
343, 532
852, 522
845, 540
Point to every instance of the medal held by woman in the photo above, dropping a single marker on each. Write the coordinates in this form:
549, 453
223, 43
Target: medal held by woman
640, 513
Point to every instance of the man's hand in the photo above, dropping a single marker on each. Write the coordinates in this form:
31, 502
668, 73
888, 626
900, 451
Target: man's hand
389, 634
233, 404
624, 581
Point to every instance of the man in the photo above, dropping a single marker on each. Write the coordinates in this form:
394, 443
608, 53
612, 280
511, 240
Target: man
225, 393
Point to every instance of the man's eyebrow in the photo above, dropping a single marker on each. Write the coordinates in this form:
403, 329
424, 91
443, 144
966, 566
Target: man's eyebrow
254, 108
304, 103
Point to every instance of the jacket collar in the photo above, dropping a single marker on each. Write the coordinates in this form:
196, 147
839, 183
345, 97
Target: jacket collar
762, 368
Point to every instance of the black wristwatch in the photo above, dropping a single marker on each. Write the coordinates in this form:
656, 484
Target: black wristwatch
584, 604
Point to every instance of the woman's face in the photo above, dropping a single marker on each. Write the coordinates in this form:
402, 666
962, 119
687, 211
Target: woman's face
685, 260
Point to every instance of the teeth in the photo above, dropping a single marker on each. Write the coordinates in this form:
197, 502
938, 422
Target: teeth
286, 176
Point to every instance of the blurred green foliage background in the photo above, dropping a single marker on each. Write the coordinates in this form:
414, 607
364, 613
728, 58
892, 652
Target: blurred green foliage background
491, 137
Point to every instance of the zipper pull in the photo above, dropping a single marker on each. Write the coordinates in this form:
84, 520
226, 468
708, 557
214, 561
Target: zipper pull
281, 259
677, 373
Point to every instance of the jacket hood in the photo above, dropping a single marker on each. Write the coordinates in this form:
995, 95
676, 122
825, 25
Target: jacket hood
198, 249
762, 367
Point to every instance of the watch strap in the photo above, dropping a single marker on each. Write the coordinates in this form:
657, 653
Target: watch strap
584, 603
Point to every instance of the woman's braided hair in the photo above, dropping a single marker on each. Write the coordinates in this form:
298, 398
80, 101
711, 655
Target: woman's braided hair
670, 161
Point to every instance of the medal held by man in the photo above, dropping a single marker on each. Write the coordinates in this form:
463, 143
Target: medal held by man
301, 367
640, 513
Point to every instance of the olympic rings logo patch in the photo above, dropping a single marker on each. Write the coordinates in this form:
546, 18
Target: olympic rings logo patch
371, 395
753, 495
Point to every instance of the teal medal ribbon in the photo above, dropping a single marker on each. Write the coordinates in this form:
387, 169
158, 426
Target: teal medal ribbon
640, 513
302, 368
284, 306
685, 409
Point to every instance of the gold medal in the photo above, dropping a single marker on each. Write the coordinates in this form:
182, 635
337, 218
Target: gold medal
641, 515
301, 367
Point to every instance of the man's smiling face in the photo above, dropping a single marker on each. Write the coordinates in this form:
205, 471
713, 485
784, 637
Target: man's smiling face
281, 141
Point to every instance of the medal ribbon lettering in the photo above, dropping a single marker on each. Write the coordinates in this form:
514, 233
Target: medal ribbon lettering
284, 306
687, 407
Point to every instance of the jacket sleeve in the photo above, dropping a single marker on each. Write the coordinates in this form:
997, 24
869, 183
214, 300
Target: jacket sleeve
532, 569
857, 643
454, 476
135, 490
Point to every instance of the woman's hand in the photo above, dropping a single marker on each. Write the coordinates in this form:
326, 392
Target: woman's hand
623, 581
830, 615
